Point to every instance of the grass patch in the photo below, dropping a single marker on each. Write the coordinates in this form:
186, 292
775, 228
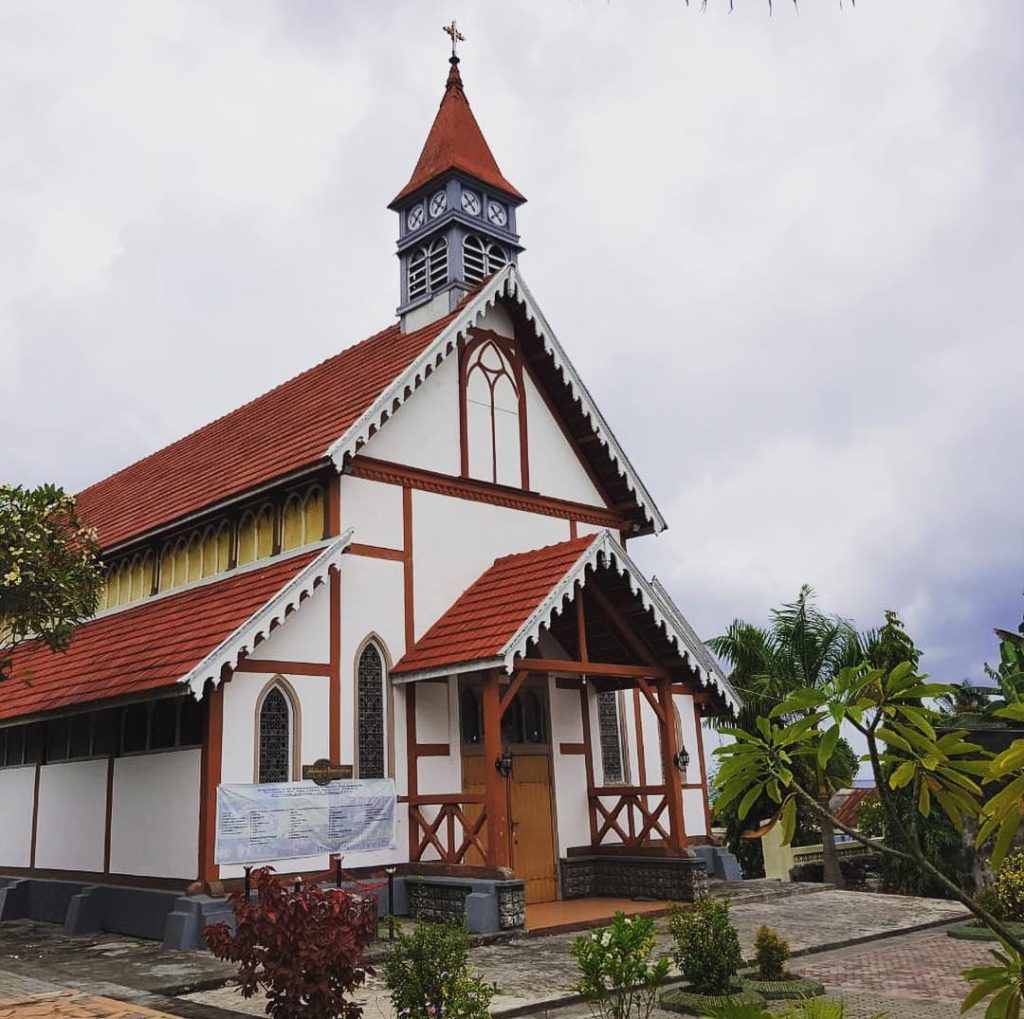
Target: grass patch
682, 999
793, 987
969, 932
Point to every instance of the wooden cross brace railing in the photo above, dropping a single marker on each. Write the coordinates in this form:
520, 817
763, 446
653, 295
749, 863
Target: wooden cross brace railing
634, 801
451, 832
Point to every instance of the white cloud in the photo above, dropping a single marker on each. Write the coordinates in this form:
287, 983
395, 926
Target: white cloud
796, 239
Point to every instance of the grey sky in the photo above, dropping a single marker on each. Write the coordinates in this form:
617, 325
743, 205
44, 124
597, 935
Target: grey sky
785, 253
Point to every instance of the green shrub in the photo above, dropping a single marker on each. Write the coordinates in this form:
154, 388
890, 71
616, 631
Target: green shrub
988, 898
812, 1008
617, 976
707, 946
1009, 887
428, 974
770, 953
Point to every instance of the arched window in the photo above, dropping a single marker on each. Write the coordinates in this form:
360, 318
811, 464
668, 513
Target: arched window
428, 268
313, 512
194, 565
494, 406
371, 719
216, 549
480, 258
276, 737
610, 728
472, 716
165, 580
291, 523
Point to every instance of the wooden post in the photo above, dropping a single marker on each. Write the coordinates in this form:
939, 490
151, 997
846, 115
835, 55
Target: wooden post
210, 775
699, 726
495, 787
413, 765
673, 780
588, 759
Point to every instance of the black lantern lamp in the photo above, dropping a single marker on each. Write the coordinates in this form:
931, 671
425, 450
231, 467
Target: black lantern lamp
503, 764
681, 760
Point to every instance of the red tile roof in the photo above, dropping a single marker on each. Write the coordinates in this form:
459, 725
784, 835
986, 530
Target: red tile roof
142, 648
849, 810
456, 142
285, 430
490, 611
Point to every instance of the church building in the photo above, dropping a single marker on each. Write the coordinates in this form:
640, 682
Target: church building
412, 560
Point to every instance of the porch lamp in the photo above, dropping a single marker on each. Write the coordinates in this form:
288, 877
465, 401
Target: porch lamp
503, 764
681, 760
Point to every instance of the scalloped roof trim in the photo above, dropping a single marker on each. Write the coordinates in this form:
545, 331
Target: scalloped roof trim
605, 551
258, 626
506, 283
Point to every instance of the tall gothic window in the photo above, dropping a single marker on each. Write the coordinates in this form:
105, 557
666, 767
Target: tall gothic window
371, 723
495, 414
611, 736
275, 747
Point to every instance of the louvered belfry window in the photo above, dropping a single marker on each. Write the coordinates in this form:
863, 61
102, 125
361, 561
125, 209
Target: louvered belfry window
611, 740
370, 713
275, 738
480, 258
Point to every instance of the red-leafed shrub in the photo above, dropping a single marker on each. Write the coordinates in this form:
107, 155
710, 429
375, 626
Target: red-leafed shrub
304, 948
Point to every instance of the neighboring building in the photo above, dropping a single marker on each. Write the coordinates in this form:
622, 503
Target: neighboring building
411, 559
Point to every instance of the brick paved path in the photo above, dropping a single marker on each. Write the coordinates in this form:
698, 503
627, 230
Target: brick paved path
924, 966
73, 1005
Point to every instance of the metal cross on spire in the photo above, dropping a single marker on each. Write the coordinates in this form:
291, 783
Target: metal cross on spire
456, 37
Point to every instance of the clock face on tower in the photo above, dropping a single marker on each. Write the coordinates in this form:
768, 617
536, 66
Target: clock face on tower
496, 214
414, 220
470, 203
438, 203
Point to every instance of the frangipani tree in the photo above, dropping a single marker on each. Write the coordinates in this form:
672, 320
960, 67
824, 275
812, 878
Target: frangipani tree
942, 771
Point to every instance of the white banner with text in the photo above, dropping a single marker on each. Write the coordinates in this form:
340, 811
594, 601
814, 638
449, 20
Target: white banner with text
286, 820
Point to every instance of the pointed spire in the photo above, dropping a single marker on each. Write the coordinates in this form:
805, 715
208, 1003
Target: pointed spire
456, 142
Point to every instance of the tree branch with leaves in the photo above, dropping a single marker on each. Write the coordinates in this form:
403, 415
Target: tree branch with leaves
50, 576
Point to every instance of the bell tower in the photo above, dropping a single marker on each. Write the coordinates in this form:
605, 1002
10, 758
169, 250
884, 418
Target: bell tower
457, 213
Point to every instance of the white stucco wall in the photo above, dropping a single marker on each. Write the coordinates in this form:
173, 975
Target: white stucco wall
569, 770
305, 634
154, 823
555, 469
240, 727
424, 432
374, 510
455, 540
372, 603
71, 826
17, 792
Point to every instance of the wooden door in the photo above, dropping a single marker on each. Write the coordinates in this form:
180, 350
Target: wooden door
532, 830
531, 825
473, 779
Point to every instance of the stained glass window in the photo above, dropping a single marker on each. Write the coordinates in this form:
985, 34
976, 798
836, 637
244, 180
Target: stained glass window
370, 713
611, 739
275, 737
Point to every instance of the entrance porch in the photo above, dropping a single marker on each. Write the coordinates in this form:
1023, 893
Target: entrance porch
581, 766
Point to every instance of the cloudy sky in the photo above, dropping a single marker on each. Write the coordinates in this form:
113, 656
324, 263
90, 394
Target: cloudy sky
786, 253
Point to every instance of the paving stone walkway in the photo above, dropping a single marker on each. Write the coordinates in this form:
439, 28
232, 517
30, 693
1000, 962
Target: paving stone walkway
73, 1005
534, 972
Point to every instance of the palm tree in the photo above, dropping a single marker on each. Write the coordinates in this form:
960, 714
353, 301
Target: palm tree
966, 704
802, 647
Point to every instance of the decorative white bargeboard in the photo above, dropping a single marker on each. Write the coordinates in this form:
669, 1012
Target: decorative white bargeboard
286, 820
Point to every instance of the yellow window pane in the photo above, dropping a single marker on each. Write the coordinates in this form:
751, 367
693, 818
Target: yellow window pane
223, 548
195, 559
291, 525
134, 578
314, 516
180, 564
209, 553
148, 570
265, 534
247, 541
166, 571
